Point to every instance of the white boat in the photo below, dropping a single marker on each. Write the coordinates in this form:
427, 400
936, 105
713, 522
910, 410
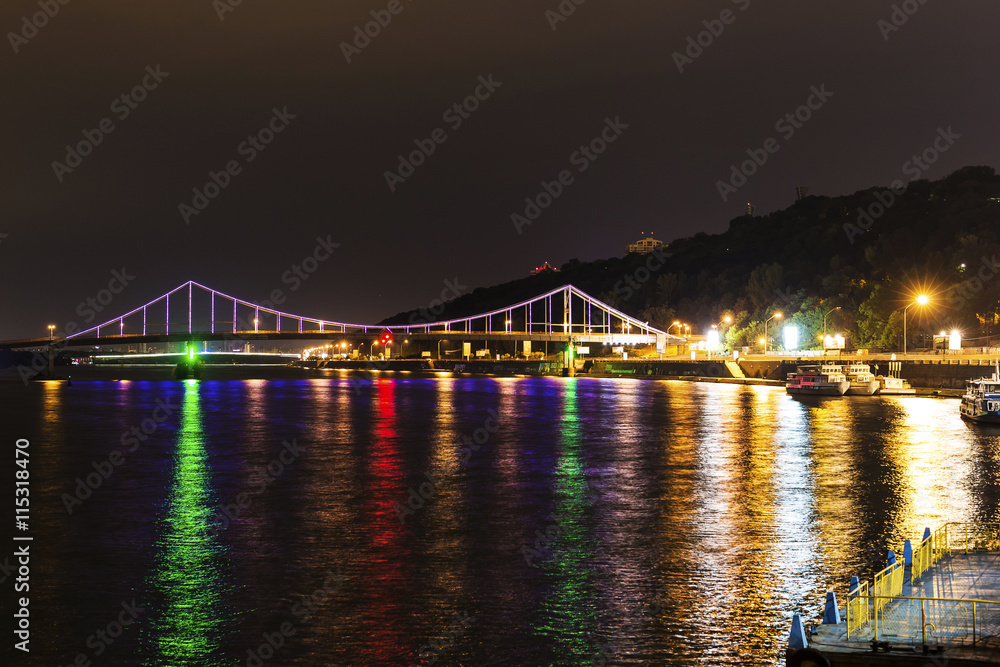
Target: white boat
817, 380
863, 382
981, 401
892, 384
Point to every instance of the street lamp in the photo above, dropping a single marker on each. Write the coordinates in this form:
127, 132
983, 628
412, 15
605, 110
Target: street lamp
824, 320
776, 315
921, 300
675, 324
52, 328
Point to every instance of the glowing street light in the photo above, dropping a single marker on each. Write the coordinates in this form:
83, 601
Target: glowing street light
776, 315
52, 328
921, 300
675, 324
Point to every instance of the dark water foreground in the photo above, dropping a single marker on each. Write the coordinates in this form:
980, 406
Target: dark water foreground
368, 520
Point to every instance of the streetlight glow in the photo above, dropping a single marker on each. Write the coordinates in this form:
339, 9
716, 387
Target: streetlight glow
921, 300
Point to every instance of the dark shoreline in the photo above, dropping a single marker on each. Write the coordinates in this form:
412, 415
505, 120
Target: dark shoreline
239, 373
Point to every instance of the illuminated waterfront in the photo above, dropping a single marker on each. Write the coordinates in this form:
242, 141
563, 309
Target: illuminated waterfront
680, 523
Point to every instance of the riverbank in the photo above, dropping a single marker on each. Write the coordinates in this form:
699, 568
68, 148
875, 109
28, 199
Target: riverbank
714, 371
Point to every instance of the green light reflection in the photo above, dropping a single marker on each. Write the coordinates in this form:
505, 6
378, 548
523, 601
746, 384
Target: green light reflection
568, 611
188, 629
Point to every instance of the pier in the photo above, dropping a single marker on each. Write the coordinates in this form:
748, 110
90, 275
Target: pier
935, 605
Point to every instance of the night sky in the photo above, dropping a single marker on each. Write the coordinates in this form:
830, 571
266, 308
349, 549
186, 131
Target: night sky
211, 76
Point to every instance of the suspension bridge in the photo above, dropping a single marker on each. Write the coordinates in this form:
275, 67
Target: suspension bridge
193, 312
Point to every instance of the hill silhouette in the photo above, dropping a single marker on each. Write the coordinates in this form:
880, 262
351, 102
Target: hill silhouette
869, 253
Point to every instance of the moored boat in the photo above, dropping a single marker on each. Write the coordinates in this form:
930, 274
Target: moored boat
817, 380
981, 400
892, 384
863, 382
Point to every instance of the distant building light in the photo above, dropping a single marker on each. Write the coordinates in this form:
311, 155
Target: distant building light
544, 268
644, 246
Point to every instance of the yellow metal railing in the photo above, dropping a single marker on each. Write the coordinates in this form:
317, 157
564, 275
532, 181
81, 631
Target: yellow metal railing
973, 536
930, 551
858, 609
942, 620
888, 584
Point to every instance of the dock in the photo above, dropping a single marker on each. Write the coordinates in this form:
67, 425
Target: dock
936, 605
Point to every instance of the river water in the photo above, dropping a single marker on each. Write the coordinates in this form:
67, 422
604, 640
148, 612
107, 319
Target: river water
562, 521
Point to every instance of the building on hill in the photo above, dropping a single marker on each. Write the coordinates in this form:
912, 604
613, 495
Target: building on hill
646, 244
544, 268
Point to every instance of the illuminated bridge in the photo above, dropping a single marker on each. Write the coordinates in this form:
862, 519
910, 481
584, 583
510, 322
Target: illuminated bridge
194, 312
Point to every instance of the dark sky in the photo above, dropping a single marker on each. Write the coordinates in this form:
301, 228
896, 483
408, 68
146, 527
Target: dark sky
324, 174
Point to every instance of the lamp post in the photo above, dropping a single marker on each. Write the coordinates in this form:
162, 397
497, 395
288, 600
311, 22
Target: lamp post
52, 328
921, 300
675, 324
824, 320
776, 315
